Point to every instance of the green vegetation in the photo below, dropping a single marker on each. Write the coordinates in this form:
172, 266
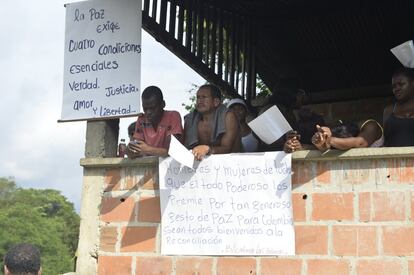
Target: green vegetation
42, 217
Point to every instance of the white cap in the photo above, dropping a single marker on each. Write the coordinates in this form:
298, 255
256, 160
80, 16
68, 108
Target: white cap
236, 101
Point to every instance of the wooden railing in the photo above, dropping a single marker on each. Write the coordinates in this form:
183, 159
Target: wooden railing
216, 43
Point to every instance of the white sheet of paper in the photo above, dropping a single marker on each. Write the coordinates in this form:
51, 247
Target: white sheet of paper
270, 125
405, 53
181, 154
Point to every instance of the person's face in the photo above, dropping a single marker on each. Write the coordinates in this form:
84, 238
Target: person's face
402, 87
205, 103
153, 109
239, 110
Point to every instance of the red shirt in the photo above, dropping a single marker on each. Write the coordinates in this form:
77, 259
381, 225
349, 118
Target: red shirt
170, 124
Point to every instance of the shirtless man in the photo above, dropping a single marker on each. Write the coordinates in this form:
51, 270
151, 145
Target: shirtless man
211, 129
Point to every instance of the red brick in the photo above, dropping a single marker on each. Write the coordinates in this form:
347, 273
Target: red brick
299, 207
401, 170
333, 206
148, 181
354, 240
138, 239
410, 267
271, 266
328, 267
311, 239
108, 236
118, 209
153, 266
398, 241
149, 209
190, 266
378, 267
388, 206
356, 171
109, 265
236, 266
407, 171
323, 172
365, 207
302, 172
112, 179
412, 206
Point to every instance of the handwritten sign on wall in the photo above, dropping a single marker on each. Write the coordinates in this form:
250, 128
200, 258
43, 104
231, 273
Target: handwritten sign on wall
102, 59
233, 204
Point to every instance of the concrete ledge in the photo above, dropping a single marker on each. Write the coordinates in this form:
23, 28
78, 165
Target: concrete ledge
307, 155
115, 162
357, 153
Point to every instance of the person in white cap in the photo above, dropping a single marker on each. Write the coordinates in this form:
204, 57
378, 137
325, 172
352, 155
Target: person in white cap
249, 141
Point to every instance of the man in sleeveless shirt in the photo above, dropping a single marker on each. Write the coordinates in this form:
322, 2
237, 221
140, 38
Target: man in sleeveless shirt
211, 129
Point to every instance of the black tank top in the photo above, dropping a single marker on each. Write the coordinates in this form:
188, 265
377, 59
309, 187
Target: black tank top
398, 131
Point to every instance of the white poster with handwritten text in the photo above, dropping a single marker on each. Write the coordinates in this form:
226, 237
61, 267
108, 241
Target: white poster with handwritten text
233, 204
102, 59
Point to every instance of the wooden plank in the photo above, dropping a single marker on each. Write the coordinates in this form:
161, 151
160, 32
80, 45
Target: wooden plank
226, 46
188, 23
163, 14
207, 40
180, 33
232, 42
220, 44
154, 9
194, 26
173, 17
244, 53
146, 7
200, 29
213, 39
238, 25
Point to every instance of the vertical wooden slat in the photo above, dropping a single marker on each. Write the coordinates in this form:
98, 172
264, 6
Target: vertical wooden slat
146, 7
173, 17
154, 9
220, 44
200, 29
244, 52
250, 65
180, 23
227, 46
237, 52
207, 16
232, 48
188, 23
194, 26
163, 14
213, 39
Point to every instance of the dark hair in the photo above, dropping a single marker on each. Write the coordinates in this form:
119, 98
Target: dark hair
131, 128
152, 91
214, 90
23, 259
345, 130
408, 72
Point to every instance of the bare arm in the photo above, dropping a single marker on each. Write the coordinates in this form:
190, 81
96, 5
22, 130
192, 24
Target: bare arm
226, 141
369, 133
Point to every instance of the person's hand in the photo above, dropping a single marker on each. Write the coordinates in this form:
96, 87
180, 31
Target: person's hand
143, 148
133, 149
321, 139
292, 144
200, 151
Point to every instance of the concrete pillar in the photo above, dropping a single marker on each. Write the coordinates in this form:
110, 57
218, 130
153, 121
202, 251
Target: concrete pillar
102, 138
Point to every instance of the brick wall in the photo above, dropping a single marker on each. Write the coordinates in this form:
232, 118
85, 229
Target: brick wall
352, 216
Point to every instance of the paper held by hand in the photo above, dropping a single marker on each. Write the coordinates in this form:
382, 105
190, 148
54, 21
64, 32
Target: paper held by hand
405, 53
181, 154
270, 125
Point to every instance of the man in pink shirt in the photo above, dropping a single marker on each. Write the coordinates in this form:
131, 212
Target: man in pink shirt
154, 129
